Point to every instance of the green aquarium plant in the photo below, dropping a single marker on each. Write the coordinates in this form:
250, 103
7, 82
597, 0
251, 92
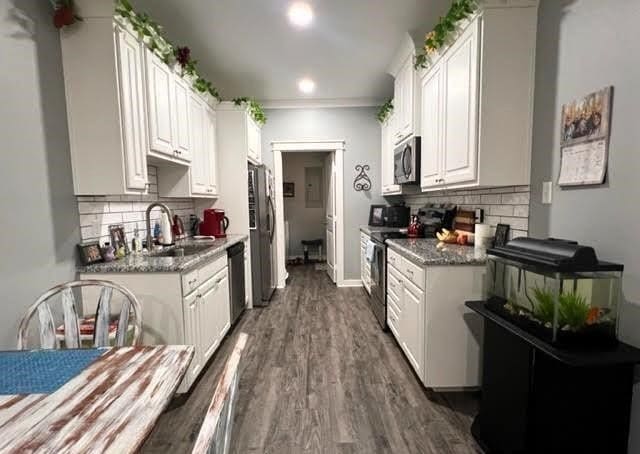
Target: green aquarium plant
573, 310
545, 308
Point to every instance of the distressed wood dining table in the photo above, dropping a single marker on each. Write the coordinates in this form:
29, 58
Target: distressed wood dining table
111, 406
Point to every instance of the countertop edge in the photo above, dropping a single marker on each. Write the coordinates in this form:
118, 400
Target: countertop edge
441, 261
140, 268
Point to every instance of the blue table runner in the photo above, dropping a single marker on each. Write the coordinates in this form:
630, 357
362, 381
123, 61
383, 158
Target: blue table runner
42, 371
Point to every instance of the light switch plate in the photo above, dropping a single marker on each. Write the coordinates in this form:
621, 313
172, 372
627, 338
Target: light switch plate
547, 192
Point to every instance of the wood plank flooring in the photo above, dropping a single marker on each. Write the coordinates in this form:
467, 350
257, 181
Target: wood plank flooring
320, 376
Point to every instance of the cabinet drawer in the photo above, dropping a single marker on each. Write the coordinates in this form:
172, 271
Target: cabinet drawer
394, 258
394, 282
194, 278
393, 302
413, 272
393, 321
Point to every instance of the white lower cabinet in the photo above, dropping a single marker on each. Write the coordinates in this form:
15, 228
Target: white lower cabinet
365, 266
188, 308
439, 336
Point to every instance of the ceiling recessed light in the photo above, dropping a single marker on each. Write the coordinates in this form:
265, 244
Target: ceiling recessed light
300, 14
306, 85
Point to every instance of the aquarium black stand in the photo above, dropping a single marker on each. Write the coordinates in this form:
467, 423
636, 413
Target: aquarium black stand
537, 398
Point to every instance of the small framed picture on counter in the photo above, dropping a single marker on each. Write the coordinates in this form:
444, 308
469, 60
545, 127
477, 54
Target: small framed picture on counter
90, 253
376, 215
502, 235
118, 237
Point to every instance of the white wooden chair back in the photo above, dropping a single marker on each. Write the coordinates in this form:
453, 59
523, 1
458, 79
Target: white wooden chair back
71, 323
215, 433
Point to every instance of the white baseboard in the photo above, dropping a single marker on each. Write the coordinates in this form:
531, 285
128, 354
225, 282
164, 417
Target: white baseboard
350, 283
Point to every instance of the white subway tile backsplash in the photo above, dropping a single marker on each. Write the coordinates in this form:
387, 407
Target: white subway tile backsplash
98, 212
504, 205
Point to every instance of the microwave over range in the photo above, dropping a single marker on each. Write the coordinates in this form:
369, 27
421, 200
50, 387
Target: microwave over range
406, 162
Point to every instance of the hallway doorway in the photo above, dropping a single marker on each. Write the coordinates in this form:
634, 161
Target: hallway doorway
309, 207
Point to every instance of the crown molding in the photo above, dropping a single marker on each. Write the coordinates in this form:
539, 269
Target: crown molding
321, 103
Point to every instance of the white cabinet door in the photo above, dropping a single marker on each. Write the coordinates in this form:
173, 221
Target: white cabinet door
461, 108
254, 141
223, 303
192, 333
182, 133
388, 144
197, 113
211, 153
160, 102
406, 120
210, 324
431, 129
134, 129
412, 326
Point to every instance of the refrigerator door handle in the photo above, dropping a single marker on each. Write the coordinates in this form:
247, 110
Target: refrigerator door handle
272, 220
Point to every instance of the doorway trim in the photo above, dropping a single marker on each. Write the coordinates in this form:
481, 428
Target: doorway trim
333, 146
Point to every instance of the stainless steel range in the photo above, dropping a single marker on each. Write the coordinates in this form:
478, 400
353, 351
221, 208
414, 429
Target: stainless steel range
378, 298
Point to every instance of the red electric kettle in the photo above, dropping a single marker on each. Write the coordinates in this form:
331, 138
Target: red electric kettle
215, 223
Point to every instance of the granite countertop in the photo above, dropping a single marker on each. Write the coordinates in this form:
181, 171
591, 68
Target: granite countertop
152, 263
369, 229
431, 252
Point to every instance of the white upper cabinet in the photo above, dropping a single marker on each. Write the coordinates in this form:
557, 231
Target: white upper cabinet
160, 93
386, 159
254, 142
477, 102
181, 134
460, 66
168, 111
405, 91
131, 104
431, 140
211, 152
198, 115
104, 88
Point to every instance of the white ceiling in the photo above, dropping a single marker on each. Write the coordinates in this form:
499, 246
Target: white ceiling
248, 47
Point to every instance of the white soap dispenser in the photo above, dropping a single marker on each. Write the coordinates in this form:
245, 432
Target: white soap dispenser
165, 229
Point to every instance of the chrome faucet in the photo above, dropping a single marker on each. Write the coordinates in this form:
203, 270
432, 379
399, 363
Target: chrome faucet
164, 208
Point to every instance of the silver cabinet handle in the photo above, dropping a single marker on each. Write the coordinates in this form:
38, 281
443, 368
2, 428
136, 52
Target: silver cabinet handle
410, 272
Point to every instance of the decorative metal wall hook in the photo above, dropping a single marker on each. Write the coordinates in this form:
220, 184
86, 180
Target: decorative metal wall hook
362, 181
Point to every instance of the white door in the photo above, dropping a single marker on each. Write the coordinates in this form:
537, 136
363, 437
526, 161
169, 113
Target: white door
197, 114
160, 104
211, 154
461, 108
181, 134
134, 129
330, 166
431, 129
412, 326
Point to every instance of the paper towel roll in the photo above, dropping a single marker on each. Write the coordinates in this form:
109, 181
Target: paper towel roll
483, 230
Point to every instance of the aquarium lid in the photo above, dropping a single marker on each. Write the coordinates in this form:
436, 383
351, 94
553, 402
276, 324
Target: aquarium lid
553, 254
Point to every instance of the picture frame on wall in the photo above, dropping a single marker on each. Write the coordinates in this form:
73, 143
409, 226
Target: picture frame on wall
288, 189
376, 215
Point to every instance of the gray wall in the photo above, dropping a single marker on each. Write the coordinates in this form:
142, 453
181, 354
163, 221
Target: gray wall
304, 223
39, 223
585, 45
360, 130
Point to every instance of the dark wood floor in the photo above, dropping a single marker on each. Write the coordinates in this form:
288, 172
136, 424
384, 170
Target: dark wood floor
320, 376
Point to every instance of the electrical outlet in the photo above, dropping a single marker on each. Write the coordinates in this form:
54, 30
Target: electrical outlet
547, 192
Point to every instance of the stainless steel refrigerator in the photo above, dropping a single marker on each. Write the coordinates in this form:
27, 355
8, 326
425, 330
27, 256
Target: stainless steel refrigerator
262, 221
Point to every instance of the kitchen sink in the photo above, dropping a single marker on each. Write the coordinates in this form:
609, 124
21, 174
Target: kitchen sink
183, 251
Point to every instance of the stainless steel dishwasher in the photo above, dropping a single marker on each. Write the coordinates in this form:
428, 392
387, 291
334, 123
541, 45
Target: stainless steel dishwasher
236, 280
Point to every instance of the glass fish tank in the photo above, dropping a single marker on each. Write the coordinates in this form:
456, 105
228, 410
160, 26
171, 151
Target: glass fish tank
556, 290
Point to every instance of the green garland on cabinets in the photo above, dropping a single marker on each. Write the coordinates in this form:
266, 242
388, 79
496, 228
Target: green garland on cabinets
435, 39
385, 110
150, 32
255, 109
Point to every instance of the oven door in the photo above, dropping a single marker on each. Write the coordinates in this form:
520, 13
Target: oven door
379, 284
